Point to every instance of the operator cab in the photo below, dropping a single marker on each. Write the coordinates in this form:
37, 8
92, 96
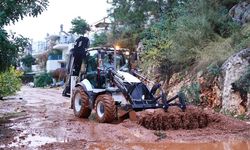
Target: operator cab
98, 61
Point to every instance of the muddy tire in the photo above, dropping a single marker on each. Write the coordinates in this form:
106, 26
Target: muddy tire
105, 108
80, 103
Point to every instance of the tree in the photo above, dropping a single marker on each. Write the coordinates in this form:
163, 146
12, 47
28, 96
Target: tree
28, 60
130, 18
100, 39
10, 12
79, 26
180, 40
175, 34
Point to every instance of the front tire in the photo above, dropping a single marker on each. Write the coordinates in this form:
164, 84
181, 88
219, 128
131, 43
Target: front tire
80, 102
105, 108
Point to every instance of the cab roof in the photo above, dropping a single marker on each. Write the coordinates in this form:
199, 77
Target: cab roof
106, 49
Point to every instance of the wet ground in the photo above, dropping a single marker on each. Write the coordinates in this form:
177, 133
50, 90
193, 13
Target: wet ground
41, 119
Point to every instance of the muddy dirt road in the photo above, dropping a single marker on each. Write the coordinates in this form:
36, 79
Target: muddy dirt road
41, 119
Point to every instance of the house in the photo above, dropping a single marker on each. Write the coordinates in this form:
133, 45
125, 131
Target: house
38, 49
60, 51
51, 53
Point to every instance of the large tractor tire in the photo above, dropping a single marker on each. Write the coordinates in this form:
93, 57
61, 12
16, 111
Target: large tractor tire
105, 108
80, 102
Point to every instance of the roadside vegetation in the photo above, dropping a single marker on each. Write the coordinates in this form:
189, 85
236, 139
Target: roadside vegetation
12, 45
178, 35
187, 38
10, 82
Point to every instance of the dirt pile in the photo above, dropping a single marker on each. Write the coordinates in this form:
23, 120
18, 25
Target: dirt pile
175, 118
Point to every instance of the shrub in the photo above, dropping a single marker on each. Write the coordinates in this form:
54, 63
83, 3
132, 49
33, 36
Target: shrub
59, 74
243, 83
192, 92
10, 82
215, 53
193, 34
28, 60
43, 80
241, 39
27, 77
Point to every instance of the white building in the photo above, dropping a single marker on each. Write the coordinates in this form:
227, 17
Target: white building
63, 46
63, 43
38, 48
57, 57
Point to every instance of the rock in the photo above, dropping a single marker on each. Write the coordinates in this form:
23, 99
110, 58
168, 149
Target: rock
248, 101
210, 92
232, 69
175, 84
241, 12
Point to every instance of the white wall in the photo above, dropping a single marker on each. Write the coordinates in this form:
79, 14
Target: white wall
35, 68
52, 65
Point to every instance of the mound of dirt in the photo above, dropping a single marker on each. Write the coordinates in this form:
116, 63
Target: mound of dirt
175, 118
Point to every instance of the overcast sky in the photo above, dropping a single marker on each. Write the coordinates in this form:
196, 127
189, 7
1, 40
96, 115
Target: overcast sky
60, 12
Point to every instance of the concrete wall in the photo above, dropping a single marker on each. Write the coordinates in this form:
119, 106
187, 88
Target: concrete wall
52, 65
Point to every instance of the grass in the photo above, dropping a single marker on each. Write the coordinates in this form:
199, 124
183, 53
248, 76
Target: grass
215, 52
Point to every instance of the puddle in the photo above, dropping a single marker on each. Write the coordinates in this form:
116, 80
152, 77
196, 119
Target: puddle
32, 140
230, 145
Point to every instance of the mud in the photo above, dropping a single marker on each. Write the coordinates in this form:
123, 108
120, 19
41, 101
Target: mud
174, 118
42, 119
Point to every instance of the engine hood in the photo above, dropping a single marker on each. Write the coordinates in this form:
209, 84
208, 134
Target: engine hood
129, 77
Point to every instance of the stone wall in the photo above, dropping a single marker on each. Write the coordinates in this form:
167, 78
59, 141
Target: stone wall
241, 12
232, 70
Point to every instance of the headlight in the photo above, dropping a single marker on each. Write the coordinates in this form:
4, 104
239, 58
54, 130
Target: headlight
127, 53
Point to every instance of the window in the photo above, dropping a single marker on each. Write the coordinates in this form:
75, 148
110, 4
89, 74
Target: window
92, 61
63, 65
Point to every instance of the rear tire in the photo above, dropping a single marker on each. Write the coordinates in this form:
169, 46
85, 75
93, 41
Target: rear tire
80, 102
105, 108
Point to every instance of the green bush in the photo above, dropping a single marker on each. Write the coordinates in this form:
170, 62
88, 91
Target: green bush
243, 83
10, 82
192, 92
192, 36
28, 60
241, 39
43, 80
